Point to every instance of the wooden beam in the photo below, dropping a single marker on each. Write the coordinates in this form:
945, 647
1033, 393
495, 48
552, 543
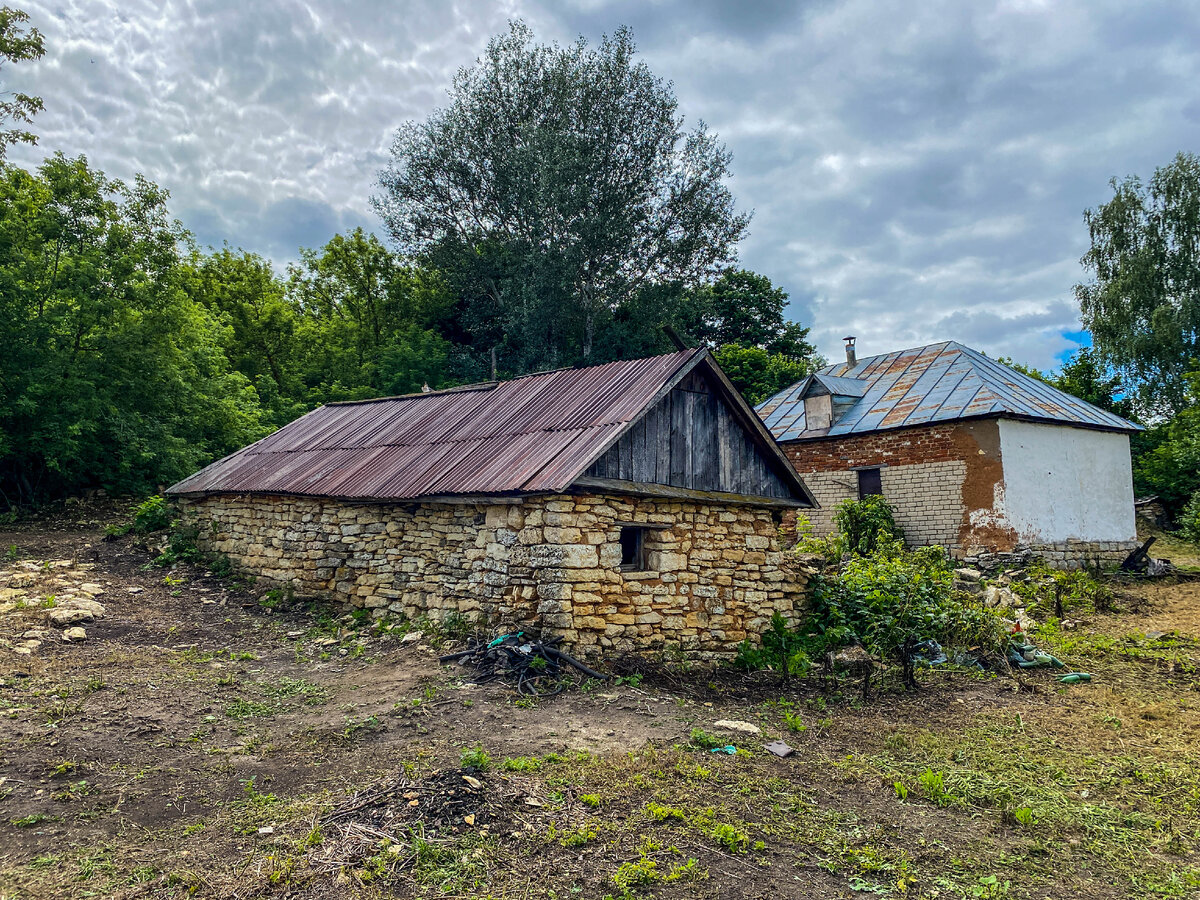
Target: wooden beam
667, 492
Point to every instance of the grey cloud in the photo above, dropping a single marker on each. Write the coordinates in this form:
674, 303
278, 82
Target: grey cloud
918, 172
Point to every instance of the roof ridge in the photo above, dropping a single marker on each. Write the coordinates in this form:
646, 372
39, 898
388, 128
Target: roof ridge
492, 385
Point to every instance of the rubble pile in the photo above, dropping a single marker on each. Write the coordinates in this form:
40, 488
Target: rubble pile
52, 598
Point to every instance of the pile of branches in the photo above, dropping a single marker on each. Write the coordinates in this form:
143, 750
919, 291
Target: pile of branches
382, 833
534, 668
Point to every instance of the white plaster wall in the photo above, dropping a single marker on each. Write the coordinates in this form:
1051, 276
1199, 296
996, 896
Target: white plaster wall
1064, 483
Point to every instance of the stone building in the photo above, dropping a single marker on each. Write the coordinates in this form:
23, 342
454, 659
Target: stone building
627, 506
971, 454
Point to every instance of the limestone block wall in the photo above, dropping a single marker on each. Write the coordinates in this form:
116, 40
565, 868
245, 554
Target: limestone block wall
714, 573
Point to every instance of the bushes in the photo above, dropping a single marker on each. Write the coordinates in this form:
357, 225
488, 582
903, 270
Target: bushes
881, 599
865, 525
782, 650
1189, 520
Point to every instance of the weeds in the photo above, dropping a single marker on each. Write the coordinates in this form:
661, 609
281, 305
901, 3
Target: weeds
475, 758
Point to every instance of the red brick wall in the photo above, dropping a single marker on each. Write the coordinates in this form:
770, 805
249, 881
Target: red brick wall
939, 478
929, 443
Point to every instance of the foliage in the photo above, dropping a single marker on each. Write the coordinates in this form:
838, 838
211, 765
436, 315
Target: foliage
882, 599
555, 189
1189, 521
781, 650
111, 374
746, 309
1142, 305
475, 758
1167, 456
759, 374
17, 44
154, 514
866, 525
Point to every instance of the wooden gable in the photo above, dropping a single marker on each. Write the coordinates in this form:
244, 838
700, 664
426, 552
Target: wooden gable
693, 443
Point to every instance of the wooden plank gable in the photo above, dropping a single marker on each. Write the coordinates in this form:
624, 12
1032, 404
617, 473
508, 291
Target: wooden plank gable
693, 441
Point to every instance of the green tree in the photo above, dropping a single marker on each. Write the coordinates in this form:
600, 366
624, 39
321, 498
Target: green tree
17, 44
759, 374
111, 375
368, 323
1142, 305
556, 186
1167, 457
243, 292
745, 308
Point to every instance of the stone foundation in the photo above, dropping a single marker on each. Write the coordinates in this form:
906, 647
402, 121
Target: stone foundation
1069, 555
714, 573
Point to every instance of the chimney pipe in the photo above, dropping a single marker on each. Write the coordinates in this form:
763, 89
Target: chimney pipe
851, 357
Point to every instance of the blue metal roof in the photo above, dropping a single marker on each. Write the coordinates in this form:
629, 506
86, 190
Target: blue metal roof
936, 383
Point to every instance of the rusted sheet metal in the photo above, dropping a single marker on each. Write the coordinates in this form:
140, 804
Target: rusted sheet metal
936, 383
535, 433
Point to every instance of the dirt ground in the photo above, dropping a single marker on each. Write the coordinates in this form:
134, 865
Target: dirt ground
207, 739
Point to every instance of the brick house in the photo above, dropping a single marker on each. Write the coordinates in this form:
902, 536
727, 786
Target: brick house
627, 506
972, 454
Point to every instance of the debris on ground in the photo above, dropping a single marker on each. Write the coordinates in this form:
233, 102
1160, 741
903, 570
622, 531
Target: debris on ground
1027, 656
1076, 677
737, 725
535, 668
929, 653
728, 749
780, 749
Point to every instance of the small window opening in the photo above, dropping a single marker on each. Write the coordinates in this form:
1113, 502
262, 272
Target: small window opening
633, 548
869, 482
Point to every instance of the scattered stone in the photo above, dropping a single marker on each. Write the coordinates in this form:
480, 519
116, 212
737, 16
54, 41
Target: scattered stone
135, 590
73, 635
412, 637
737, 725
64, 616
295, 634
92, 588
95, 608
967, 574
267, 829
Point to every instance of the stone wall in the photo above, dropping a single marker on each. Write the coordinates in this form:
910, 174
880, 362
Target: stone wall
714, 573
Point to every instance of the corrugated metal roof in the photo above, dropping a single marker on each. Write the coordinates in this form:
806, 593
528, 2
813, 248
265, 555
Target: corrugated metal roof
936, 383
535, 433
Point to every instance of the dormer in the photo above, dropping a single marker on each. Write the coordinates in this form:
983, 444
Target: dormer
827, 398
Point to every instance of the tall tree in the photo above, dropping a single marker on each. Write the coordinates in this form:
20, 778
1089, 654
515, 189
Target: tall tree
556, 185
745, 308
369, 322
111, 374
17, 44
1143, 302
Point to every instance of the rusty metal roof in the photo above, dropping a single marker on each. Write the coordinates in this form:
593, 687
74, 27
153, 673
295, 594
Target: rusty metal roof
535, 433
936, 383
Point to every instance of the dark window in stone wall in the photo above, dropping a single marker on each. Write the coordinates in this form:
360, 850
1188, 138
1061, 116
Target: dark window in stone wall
633, 548
869, 482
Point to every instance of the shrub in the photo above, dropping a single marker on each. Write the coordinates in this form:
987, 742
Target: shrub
882, 599
866, 525
782, 650
1189, 520
154, 514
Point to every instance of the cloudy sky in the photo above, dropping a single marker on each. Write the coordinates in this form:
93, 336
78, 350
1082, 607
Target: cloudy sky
917, 171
